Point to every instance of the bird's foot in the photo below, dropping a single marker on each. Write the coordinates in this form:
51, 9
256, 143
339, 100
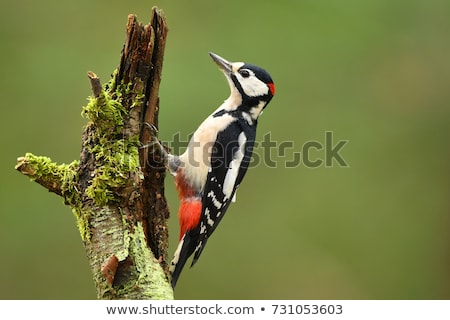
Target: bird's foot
154, 144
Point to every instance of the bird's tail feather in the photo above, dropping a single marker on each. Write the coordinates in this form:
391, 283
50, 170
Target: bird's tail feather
185, 248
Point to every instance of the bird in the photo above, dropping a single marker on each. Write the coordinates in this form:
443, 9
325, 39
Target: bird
216, 159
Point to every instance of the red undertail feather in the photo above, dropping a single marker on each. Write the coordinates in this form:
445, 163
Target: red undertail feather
190, 205
189, 214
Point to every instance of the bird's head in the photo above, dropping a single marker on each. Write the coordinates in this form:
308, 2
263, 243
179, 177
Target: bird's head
250, 85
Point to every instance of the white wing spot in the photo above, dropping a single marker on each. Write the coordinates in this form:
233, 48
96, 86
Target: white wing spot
202, 228
216, 202
208, 218
233, 168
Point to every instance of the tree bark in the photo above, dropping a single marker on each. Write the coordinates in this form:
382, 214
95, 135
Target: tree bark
116, 189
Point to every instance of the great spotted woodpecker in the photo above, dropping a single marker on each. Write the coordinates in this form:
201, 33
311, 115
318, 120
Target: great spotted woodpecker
208, 173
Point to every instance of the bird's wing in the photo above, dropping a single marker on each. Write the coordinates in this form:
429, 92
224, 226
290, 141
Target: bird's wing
230, 158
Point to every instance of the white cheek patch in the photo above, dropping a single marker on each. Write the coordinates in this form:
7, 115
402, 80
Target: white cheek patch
233, 167
252, 86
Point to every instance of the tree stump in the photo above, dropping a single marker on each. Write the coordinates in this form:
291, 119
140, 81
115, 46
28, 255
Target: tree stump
116, 188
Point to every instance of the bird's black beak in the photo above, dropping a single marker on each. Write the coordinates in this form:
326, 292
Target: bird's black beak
223, 64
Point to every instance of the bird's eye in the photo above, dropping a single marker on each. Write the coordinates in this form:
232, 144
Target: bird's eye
244, 73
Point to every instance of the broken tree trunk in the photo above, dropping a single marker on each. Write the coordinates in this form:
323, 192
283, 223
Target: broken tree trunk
116, 189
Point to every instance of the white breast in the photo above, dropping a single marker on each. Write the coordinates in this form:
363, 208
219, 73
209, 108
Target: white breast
196, 160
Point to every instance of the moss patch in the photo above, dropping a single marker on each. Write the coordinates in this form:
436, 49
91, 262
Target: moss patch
116, 153
61, 179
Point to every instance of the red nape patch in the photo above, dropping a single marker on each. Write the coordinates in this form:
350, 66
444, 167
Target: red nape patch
189, 214
271, 88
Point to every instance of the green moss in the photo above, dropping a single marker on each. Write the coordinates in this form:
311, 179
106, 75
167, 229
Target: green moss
118, 159
105, 112
82, 222
46, 168
116, 154
62, 178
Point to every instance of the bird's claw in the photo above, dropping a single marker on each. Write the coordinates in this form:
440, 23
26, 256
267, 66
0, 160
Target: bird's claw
154, 145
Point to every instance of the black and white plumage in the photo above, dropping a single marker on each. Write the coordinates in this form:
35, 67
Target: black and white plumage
208, 173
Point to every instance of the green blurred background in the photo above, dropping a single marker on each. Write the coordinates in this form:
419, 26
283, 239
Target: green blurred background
376, 73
